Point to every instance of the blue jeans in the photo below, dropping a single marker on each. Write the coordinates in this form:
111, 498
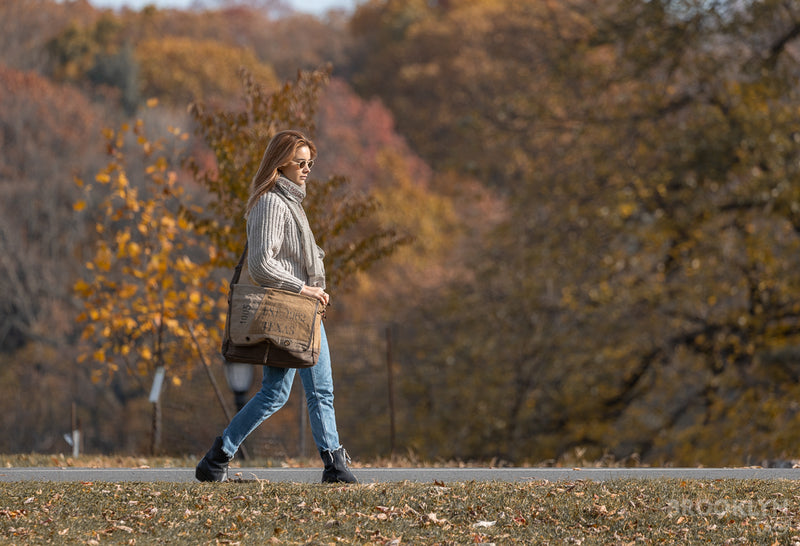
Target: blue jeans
275, 389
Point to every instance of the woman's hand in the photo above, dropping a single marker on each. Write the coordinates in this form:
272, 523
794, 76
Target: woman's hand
317, 293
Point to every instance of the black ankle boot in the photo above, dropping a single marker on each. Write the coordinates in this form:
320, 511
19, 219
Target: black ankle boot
214, 466
336, 470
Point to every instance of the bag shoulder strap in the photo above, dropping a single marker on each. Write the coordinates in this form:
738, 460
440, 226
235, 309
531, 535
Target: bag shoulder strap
237, 272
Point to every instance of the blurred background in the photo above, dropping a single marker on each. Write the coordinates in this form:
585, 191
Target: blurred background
590, 214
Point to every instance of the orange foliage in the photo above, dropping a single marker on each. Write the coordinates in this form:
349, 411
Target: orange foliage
183, 70
436, 209
149, 294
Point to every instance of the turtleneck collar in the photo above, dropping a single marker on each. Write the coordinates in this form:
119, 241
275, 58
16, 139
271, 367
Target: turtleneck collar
291, 190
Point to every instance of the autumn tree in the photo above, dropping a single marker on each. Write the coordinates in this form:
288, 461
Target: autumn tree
238, 139
150, 295
98, 54
180, 71
26, 26
44, 129
153, 294
269, 30
47, 134
443, 214
640, 298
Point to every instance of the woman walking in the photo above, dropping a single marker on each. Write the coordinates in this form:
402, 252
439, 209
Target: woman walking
282, 253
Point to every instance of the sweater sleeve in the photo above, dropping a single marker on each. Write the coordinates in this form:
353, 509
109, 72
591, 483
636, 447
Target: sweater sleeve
266, 225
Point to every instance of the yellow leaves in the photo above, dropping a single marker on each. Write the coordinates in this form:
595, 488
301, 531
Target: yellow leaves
134, 249
183, 70
160, 165
626, 210
168, 222
172, 324
103, 258
184, 263
122, 180
82, 288
145, 273
122, 239
179, 133
128, 291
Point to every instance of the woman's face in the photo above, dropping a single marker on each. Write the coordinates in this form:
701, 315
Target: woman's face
299, 168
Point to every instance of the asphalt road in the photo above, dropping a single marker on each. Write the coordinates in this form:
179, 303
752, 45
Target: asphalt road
387, 475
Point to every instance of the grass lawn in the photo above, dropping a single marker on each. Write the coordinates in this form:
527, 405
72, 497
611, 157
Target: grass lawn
662, 511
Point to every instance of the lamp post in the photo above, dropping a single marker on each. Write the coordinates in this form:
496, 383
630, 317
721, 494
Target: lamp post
239, 377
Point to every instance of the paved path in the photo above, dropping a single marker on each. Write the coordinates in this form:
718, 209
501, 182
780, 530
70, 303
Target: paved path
385, 475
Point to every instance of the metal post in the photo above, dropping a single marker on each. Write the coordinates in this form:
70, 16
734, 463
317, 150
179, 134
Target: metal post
76, 433
155, 395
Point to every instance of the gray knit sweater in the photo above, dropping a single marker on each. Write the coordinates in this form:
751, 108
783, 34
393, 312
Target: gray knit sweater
275, 256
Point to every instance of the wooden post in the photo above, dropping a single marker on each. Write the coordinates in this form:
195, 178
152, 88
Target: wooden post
390, 381
155, 441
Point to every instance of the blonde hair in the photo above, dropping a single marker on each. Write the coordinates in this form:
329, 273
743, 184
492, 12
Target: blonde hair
280, 151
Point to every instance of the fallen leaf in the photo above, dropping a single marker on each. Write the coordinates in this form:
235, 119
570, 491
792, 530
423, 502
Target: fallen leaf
433, 519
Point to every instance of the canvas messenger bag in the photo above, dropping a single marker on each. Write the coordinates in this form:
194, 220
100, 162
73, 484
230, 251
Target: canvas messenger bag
270, 326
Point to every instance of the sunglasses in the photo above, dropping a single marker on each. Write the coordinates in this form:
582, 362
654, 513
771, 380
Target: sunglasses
302, 163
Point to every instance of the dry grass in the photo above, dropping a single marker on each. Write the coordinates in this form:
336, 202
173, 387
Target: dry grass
620, 512
260, 512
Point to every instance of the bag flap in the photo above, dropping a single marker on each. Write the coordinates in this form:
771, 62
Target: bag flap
284, 318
